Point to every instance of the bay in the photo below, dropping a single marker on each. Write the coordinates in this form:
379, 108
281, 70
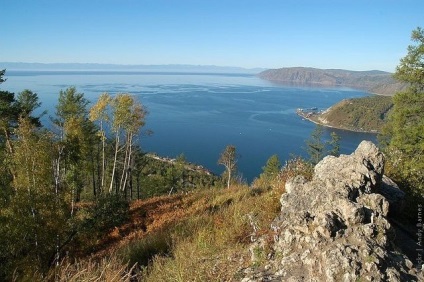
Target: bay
198, 114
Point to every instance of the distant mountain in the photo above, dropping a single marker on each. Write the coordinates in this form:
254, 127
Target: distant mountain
378, 82
116, 67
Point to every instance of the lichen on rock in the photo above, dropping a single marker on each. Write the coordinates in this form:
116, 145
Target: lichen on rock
335, 227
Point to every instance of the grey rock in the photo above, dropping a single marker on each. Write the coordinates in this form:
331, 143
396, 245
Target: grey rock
335, 227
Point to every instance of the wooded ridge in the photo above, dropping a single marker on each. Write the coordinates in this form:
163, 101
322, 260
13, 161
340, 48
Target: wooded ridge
374, 81
365, 114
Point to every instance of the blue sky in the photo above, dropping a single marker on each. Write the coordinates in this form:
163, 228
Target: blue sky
356, 34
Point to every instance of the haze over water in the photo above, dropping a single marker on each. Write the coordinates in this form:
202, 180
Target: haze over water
199, 114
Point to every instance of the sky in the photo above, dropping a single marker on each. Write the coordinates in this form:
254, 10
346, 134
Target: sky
349, 34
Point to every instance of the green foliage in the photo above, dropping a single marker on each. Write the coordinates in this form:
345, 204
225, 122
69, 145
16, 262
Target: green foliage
228, 159
36, 216
411, 67
315, 145
317, 148
360, 114
125, 116
11, 109
71, 105
9, 115
27, 102
403, 136
334, 145
272, 167
207, 241
2, 72
143, 251
76, 142
46, 206
270, 172
108, 212
159, 176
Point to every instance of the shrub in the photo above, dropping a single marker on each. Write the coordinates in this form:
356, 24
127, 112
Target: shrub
142, 251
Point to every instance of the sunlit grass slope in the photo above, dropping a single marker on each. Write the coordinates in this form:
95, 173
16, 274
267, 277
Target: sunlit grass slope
203, 235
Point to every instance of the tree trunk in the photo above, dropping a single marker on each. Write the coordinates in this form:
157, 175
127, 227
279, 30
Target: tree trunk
114, 160
10, 148
127, 165
93, 178
124, 166
138, 186
229, 178
103, 155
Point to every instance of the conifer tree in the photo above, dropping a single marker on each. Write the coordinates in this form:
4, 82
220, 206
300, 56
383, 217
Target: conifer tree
315, 145
317, 148
403, 135
77, 138
334, 144
2, 72
272, 167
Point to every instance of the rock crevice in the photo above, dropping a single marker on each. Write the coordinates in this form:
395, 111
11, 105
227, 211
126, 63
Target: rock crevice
335, 227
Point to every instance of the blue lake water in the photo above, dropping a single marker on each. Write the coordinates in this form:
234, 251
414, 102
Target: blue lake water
199, 114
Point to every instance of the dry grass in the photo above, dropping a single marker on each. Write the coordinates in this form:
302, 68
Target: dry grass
213, 246
200, 236
109, 269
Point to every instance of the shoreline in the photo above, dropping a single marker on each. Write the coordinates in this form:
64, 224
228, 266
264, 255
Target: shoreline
187, 165
330, 86
311, 119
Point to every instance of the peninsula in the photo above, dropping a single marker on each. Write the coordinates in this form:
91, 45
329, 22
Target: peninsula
374, 81
366, 114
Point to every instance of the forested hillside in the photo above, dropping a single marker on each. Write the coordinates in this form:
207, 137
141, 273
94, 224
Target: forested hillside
62, 189
377, 82
80, 201
366, 114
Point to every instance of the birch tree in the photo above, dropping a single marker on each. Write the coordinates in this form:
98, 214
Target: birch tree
100, 112
127, 119
36, 217
228, 159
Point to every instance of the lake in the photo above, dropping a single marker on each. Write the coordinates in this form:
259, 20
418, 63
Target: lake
198, 114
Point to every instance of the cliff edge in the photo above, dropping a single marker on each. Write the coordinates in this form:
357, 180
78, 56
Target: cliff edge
335, 227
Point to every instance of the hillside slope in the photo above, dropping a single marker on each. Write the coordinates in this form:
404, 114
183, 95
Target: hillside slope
365, 114
333, 227
377, 82
361, 114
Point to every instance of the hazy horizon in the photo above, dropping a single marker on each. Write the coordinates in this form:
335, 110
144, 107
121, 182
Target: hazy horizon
355, 35
25, 66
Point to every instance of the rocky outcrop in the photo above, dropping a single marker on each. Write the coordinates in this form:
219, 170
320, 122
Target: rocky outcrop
335, 227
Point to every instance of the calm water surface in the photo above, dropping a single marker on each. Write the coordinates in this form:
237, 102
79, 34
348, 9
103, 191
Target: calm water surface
199, 114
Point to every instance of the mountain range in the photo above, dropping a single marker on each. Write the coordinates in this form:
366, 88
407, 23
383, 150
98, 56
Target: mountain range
119, 67
374, 81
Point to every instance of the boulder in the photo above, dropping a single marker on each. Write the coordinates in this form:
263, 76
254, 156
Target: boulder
335, 227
